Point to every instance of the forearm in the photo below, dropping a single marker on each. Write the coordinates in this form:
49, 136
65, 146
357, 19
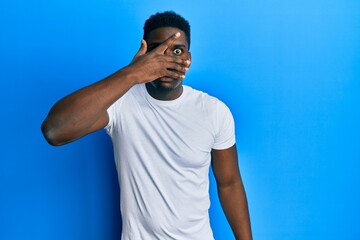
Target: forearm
84, 111
74, 115
234, 203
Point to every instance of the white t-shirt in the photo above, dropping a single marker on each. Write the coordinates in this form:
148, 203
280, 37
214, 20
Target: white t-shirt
163, 153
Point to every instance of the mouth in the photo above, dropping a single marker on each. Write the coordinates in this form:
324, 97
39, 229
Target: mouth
167, 79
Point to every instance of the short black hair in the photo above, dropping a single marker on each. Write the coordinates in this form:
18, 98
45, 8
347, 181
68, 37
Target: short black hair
167, 19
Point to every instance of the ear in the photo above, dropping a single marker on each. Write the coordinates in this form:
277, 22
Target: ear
190, 57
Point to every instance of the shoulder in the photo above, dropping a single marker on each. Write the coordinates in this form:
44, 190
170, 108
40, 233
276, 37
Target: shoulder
131, 94
204, 99
197, 95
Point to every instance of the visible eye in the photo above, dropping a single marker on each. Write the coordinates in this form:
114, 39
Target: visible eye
177, 51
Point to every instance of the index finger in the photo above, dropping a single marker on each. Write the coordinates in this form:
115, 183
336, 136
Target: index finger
165, 45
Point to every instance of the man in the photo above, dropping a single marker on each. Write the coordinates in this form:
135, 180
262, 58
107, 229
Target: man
165, 136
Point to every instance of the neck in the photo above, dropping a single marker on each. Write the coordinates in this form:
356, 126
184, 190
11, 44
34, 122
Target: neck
164, 94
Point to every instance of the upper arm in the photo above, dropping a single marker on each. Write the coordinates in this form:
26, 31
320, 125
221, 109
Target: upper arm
100, 123
225, 166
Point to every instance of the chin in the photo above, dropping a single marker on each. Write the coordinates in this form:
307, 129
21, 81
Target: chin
166, 83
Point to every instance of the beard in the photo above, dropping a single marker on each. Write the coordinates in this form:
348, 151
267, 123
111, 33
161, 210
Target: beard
166, 84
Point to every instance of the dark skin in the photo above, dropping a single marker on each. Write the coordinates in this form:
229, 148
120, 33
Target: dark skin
85, 110
161, 63
231, 191
167, 88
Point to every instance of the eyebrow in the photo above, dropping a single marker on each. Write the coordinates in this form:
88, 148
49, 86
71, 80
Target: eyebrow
179, 45
155, 44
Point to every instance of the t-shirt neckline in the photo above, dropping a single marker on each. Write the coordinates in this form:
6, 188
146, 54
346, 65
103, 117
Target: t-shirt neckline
163, 102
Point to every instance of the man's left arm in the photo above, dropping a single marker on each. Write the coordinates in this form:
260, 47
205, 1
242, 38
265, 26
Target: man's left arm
231, 191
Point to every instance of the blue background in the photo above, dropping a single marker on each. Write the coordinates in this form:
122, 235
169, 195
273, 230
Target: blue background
289, 71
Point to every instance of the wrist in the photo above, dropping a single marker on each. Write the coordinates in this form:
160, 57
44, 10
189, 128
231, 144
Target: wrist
129, 75
133, 75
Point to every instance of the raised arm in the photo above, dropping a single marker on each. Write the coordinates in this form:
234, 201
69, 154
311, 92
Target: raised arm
231, 191
85, 110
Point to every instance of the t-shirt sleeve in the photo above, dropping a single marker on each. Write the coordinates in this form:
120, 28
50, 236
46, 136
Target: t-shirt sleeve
225, 128
112, 113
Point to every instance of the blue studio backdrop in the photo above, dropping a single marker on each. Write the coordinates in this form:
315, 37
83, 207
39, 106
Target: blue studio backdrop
288, 70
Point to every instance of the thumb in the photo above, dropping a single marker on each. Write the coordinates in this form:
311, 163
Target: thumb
142, 50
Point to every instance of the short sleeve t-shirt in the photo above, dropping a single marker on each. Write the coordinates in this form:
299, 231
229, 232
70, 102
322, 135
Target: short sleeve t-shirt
162, 152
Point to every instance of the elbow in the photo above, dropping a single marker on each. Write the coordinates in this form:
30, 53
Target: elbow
232, 183
51, 134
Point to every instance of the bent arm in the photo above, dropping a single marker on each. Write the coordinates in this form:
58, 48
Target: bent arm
85, 110
231, 191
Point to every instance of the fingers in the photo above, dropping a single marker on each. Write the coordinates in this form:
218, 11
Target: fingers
157, 63
178, 60
142, 50
165, 45
174, 74
176, 64
177, 67
143, 47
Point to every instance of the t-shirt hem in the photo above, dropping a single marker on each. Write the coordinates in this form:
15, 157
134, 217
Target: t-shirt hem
224, 146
